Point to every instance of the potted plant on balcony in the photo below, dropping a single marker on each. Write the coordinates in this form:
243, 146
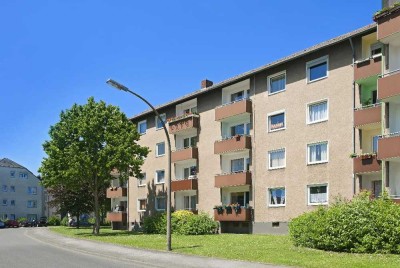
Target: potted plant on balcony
220, 209
228, 209
353, 155
236, 207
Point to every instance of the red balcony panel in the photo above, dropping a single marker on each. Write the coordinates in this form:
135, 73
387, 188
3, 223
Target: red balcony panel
116, 216
184, 185
185, 154
114, 192
232, 179
388, 24
389, 147
184, 122
235, 143
389, 86
367, 116
233, 109
366, 68
243, 215
366, 164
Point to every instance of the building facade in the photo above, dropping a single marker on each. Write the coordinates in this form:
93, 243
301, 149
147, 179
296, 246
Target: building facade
21, 194
265, 146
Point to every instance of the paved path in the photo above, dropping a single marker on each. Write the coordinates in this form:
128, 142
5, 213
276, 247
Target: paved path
39, 247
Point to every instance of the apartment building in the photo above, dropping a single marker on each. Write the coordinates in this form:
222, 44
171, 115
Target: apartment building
277, 139
21, 194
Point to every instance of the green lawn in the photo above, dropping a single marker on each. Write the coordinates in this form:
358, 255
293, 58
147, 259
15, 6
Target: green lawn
259, 248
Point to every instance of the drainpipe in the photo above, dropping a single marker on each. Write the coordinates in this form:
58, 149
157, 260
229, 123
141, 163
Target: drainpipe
253, 150
354, 104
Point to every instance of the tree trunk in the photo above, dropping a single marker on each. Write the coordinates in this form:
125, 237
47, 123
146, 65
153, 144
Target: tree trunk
77, 220
96, 206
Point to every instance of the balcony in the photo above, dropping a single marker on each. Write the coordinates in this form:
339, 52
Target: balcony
389, 146
116, 216
388, 25
232, 179
244, 214
366, 164
367, 68
367, 117
115, 192
182, 123
233, 109
184, 185
184, 154
232, 144
388, 85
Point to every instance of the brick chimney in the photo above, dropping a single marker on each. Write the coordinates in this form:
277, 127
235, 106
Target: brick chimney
206, 83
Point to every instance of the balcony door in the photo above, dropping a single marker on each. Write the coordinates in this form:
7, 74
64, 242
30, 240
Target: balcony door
377, 188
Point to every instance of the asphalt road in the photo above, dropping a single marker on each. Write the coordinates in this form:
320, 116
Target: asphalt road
39, 247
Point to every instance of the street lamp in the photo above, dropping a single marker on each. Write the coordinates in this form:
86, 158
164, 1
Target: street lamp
119, 86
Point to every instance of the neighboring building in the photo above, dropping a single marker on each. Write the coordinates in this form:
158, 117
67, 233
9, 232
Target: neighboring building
277, 139
21, 194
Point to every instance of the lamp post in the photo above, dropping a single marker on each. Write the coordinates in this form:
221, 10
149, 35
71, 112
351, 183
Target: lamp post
119, 86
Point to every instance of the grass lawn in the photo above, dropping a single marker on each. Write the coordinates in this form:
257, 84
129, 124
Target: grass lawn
259, 248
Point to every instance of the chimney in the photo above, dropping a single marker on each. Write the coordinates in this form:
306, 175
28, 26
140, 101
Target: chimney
206, 83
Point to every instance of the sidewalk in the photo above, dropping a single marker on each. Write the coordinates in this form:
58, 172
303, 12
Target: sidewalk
136, 256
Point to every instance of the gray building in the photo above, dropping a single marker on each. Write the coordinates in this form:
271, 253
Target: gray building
21, 194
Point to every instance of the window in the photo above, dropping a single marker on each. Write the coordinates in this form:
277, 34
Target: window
241, 129
5, 202
160, 203
31, 204
141, 204
159, 124
12, 174
189, 202
4, 188
241, 198
160, 176
12, 217
142, 127
32, 190
317, 112
318, 153
276, 122
12, 203
237, 165
317, 194
189, 142
317, 69
375, 144
31, 217
277, 197
23, 175
142, 179
237, 96
277, 159
276, 83
12, 188
192, 110
160, 149
376, 49
191, 171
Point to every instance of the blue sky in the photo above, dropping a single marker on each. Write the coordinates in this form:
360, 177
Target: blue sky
56, 53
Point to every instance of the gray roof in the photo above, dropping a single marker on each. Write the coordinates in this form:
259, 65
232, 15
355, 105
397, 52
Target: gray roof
244, 75
5, 162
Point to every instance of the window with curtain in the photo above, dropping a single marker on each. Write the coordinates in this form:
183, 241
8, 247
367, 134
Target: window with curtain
318, 194
160, 176
276, 121
318, 112
237, 165
318, 153
141, 204
159, 123
277, 197
277, 83
277, 159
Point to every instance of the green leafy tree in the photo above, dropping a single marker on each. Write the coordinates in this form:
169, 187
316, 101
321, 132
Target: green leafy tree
88, 143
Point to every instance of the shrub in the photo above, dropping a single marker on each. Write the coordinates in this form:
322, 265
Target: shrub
64, 221
22, 219
360, 226
182, 222
53, 221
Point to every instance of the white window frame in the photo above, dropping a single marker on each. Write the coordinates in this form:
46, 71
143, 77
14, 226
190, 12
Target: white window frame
316, 62
138, 204
317, 162
308, 122
12, 173
164, 117
269, 197
140, 181
33, 202
157, 154
23, 175
269, 83
269, 121
269, 159
155, 203
157, 180
32, 190
138, 127
317, 185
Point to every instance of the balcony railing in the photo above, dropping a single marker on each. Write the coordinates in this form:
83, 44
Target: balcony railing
232, 179
388, 24
115, 192
185, 154
231, 144
367, 115
233, 109
119, 216
388, 85
184, 122
389, 146
244, 214
367, 68
185, 184
366, 164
